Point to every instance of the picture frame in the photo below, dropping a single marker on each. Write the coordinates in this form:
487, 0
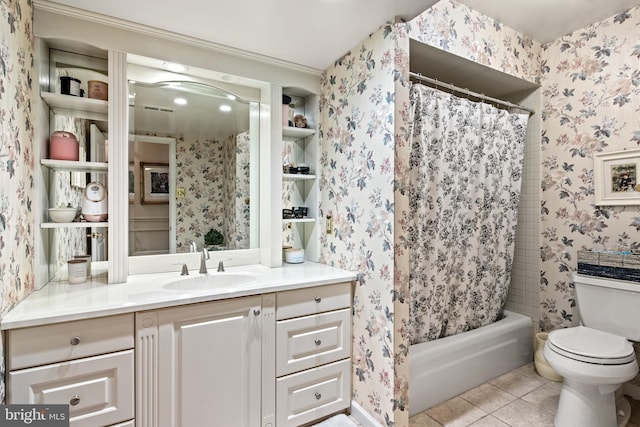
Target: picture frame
132, 183
154, 181
616, 176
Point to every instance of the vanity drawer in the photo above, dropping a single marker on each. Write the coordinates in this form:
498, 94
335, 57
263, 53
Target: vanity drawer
302, 302
99, 389
313, 394
45, 344
309, 341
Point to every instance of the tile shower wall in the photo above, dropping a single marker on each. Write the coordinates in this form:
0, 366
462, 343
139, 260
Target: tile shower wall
16, 158
524, 292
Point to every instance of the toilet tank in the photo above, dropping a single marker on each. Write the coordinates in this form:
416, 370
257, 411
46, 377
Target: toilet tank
609, 305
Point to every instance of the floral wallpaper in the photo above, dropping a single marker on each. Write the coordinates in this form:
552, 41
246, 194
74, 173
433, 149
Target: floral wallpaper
591, 89
356, 184
241, 193
462, 31
206, 169
17, 77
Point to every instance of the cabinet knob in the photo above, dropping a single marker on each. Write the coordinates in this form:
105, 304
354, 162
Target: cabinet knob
318, 396
317, 299
318, 342
256, 312
74, 341
76, 399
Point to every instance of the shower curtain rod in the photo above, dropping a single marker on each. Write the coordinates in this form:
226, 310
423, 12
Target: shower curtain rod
481, 96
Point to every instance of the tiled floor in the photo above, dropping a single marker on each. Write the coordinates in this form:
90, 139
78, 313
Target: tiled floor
520, 398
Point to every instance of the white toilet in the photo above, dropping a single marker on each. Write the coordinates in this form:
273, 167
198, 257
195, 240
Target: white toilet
596, 357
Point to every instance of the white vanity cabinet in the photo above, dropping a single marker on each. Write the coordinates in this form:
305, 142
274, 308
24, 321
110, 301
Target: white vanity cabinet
313, 353
200, 364
88, 364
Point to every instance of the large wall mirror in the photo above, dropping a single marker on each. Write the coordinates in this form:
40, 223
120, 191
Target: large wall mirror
193, 161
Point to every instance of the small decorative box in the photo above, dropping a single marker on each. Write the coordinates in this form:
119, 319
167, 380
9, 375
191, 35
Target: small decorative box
621, 265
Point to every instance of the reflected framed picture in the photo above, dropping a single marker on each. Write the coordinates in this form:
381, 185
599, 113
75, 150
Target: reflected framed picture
132, 183
154, 183
615, 176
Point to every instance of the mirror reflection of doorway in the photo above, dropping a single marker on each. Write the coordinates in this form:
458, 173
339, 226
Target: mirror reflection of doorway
152, 216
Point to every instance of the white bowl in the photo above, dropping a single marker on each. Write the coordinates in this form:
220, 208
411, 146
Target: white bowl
62, 214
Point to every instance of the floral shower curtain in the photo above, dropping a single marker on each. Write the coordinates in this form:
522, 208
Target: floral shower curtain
466, 170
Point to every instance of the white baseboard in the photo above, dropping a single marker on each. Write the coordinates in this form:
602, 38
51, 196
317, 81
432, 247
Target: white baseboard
628, 389
362, 416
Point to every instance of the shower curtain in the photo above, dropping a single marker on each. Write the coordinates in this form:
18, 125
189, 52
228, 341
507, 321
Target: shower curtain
466, 169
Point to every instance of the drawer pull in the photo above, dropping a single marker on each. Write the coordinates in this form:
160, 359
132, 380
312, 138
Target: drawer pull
318, 396
317, 299
74, 400
74, 341
318, 342
256, 312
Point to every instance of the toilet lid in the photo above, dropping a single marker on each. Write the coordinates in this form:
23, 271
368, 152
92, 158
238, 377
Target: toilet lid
591, 346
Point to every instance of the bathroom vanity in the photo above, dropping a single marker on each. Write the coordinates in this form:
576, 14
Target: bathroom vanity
254, 346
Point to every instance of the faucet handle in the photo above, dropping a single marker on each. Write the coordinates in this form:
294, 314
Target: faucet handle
221, 265
185, 269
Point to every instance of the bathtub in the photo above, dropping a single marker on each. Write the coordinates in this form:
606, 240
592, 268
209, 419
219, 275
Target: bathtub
444, 368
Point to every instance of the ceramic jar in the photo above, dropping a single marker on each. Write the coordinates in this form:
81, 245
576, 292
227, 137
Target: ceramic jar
63, 146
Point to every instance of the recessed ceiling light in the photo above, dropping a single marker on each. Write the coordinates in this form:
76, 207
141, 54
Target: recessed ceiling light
176, 68
231, 97
180, 101
225, 108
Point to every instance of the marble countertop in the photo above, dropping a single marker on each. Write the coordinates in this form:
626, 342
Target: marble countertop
61, 302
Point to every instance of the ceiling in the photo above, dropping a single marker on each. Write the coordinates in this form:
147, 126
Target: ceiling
315, 33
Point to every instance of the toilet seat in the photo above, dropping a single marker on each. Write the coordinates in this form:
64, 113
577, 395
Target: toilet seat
591, 346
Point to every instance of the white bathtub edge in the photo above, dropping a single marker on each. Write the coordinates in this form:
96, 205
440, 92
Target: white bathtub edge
362, 416
444, 368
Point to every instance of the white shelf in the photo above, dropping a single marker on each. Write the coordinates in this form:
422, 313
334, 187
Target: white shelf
74, 166
297, 177
286, 221
95, 109
297, 132
74, 224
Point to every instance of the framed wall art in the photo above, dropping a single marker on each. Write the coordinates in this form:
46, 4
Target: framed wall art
132, 183
154, 183
615, 176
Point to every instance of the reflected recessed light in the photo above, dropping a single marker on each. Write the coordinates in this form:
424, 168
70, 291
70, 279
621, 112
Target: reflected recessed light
231, 97
180, 101
225, 108
176, 68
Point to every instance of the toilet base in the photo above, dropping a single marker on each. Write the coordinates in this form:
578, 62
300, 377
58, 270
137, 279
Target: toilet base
586, 406
623, 411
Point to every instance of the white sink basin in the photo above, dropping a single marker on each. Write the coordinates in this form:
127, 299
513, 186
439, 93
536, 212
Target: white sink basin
226, 281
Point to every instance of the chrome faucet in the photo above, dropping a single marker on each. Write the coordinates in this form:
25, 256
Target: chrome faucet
203, 261
193, 247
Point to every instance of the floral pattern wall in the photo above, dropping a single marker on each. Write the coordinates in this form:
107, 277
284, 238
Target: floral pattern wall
206, 169
17, 77
356, 184
591, 88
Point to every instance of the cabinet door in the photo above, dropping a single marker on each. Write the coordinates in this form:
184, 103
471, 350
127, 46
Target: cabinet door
210, 360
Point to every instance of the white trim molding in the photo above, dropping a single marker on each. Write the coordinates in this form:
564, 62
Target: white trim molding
362, 416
